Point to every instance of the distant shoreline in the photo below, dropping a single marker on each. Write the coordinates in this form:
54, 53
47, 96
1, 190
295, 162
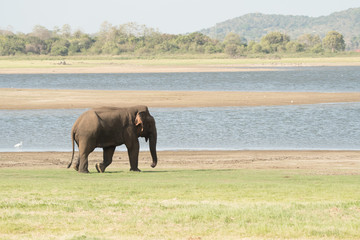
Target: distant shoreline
78, 65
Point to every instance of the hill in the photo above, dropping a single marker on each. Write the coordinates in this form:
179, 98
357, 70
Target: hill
255, 25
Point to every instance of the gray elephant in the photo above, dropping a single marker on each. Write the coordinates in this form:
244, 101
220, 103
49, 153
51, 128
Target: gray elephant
108, 127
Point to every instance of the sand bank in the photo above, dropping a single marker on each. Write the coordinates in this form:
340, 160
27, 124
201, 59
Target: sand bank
67, 99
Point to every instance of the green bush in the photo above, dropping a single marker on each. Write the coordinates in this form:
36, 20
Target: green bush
60, 48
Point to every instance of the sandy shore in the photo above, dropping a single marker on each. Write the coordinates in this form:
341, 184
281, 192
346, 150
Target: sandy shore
65, 99
314, 162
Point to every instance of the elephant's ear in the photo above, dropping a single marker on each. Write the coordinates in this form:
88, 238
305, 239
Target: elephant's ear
139, 123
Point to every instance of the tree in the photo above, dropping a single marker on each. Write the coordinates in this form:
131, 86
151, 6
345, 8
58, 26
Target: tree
80, 42
41, 32
274, 42
34, 45
309, 41
318, 48
274, 38
334, 41
233, 45
66, 30
256, 48
11, 45
294, 47
231, 49
60, 47
193, 42
232, 38
355, 42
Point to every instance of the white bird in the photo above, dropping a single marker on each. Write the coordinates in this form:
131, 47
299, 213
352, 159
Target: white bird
18, 145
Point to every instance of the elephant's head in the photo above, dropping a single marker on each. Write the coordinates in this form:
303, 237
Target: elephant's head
145, 124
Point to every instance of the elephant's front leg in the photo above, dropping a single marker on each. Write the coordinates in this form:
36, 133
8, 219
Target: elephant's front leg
107, 159
133, 151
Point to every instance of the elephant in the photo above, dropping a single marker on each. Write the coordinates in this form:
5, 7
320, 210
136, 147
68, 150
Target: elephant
108, 127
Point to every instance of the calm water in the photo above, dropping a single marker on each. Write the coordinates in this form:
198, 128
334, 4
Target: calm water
321, 126
320, 79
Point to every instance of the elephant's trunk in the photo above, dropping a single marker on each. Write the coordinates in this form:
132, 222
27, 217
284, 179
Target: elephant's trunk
152, 145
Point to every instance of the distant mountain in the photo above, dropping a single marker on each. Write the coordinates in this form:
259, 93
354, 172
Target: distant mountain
255, 25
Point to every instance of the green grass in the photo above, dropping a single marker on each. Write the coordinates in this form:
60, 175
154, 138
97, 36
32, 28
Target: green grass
177, 204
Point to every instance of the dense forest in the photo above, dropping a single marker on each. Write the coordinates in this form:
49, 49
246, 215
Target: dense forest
254, 26
135, 39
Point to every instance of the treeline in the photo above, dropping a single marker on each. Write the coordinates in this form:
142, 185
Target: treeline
132, 38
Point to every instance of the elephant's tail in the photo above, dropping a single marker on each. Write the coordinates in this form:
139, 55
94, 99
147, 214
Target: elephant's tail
73, 147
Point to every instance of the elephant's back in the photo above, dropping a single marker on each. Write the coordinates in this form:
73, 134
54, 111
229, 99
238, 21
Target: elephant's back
86, 122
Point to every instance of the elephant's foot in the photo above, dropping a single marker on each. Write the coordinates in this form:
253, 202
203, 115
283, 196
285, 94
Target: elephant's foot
84, 171
100, 167
135, 169
76, 167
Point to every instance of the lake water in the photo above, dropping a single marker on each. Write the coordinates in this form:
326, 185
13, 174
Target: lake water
319, 79
320, 126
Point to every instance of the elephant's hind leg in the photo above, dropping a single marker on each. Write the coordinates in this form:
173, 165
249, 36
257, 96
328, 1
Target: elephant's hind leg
108, 154
84, 151
76, 164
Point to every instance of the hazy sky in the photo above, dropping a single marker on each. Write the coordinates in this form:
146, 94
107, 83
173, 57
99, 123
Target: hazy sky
168, 16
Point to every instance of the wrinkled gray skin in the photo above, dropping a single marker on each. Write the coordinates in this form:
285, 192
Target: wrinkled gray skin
108, 127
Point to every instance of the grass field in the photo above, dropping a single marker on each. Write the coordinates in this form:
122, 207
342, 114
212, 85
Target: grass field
178, 204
